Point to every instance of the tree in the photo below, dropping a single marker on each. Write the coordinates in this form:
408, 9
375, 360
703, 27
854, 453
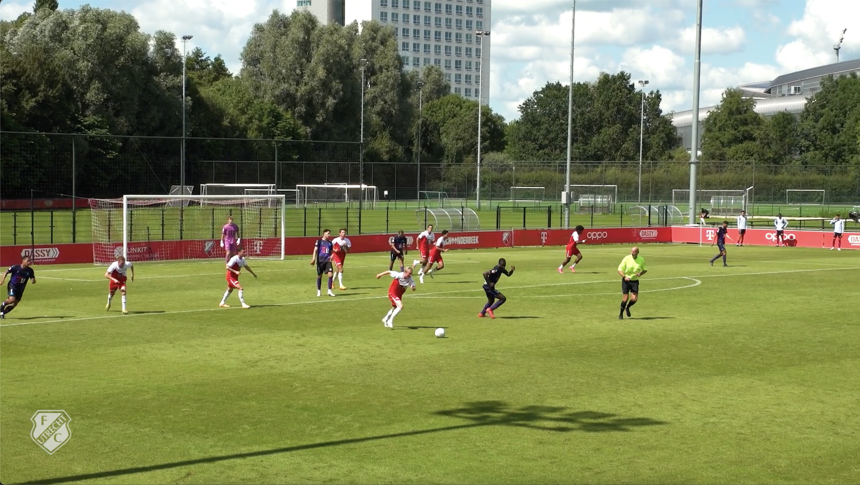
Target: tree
829, 122
52, 5
778, 139
732, 129
452, 130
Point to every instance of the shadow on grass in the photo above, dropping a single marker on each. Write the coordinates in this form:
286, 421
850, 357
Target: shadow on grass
519, 317
475, 414
42, 316
413, 327
148, 312
650, 318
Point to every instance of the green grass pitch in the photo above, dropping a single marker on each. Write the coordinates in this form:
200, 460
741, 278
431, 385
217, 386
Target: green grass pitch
745, 374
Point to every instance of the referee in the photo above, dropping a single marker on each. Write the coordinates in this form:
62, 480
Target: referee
630, 269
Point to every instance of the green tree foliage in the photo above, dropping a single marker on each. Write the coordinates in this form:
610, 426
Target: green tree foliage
51, 5
732, 129
778, 139
452, 130
830, 122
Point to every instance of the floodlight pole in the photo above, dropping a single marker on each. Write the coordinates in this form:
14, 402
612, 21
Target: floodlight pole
479, 35
185, 39
420, 115
569, 121
642, 84
694, 148
363, 67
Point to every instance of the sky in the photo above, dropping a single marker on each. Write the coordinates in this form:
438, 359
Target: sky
743, 41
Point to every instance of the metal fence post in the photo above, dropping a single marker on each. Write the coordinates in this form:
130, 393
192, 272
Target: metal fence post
524, 217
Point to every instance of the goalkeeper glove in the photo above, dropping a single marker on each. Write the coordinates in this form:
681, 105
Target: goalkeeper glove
222, 243
238, 241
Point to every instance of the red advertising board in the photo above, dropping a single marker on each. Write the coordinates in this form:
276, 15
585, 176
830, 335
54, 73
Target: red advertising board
43, 204
47, 254
766, 237
560, 237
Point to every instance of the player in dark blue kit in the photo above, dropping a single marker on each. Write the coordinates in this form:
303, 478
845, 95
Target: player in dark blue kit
321, 257
21, 275
495, 298
720, 240
398, 250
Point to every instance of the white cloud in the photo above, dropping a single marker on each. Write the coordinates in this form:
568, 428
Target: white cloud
714, 41
11, 10
816, 33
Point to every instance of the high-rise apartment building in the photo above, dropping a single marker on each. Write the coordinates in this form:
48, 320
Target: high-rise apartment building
444, 33
327, 11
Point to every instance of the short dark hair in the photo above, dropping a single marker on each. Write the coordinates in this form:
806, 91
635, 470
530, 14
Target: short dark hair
726, 222
26, 258
502, 262
444, 232
400, 232
579, 228
342, 229
239, 250
326, 230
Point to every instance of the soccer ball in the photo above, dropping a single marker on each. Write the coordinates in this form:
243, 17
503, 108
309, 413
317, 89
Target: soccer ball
440, 332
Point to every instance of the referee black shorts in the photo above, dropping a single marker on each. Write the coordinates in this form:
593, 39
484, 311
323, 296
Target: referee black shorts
631, 286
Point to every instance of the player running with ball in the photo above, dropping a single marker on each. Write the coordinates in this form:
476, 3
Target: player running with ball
116, 274
21, 275
395, 293
234, 268
572, 250
495, 298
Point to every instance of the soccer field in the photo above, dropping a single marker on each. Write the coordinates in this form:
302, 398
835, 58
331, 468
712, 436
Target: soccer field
745, 374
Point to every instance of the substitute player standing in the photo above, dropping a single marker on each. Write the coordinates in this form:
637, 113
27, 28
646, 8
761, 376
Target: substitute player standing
780, 223
395, 293
230, 239
116, 273
742, 228
340, 246
398, 250
424, 243
495, 298
572, 250
838, 229
720, 239
21, 275
630, 269
234, 269
435, 257
321, 257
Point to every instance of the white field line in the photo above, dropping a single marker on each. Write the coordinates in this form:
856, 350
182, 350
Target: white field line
335, 300
566, 295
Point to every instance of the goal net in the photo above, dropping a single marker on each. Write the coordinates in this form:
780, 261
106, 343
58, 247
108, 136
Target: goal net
156, 228
527, 195
291, 196
459, 219
338, 194
805, 196
718, 202
599, 198
237, 189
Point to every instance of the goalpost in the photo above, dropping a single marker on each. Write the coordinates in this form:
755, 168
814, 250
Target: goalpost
601, 197
338, 194
532, 195
805, 196
719, 202
156, 228
236, 189
292, 196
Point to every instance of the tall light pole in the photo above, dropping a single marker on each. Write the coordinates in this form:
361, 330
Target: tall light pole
185, 39
697, 82
479, 34
363, 67
569, 121
642, 84
838, 46
420, 115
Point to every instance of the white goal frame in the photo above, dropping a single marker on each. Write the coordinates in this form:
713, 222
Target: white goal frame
368, 194
270, 187
296, 194
823, 193
126, 198
533, 199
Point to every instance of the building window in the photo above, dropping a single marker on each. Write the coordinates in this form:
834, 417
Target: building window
395, 17
405, 3
448, 77
426, 48
458, 51
416, 19
437, 49
468, 38
438, 8
428, 6
437, 62
449, 10
448, 23
394, 3
479, 11
383, 16
468, 52
447, 50
469, 11
427, 19
458, 65
304, 3
405, 60
468, 65
416, 5
468, 92
458, 91
437, 22
448, 64
426, 61
469, 25
447, 36
416, 61
458, 78
437, 36
416, 33
479, 24
427, 35
468, 79
477, 81
459, 10
383, 3
404, 46
405, 32
459, 24
478, 53
477, 94
416, 47
458, 37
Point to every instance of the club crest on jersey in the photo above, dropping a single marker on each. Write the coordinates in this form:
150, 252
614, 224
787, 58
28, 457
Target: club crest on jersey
51, 430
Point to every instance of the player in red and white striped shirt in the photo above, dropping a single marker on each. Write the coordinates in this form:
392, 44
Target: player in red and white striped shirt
234, 268
340, 245
116, 274
395, 293
572, 250
435, 257
424, 243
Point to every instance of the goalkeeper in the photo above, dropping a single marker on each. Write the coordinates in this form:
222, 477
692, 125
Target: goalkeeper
230, 238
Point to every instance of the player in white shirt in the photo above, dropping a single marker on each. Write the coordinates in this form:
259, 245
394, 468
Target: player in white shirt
395, 293
234, 268
742, 228
340, 246
838, 229
572, 250
435, 257
116, 273
424, 244
780, 223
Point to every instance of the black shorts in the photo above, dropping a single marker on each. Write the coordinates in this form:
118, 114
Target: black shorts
837, 234
492, 292
778, 233
323, 268
395, 256
631, 286
721, 246
742, 231
15, 290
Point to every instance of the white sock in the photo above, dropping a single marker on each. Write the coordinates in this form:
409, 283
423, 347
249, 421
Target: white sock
429, 271
394, 312
561, 267
226, 294
110, 297
123, 302
388, 315
415, 262
573, 265
242, 297
340, 278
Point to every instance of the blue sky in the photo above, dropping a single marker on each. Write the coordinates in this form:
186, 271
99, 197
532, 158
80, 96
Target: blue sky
744, 40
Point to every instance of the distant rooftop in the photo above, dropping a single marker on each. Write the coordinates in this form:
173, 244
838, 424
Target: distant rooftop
829, 69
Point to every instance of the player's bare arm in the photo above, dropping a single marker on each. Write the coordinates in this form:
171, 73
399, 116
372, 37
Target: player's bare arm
132, 273
108, 276
251, 271
380, 275
511, 272
314, 256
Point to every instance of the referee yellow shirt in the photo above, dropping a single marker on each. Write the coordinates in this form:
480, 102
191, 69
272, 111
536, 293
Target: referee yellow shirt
630, 266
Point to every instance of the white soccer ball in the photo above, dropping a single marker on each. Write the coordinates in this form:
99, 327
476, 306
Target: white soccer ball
440, 332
